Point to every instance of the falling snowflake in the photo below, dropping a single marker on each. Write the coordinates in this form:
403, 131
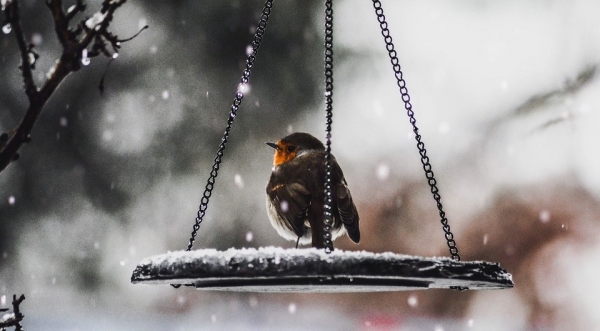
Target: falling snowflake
544, 216
413, 301
285, 206
444, 127
7, 28
292, 308
383, 171
237, 179
253, 301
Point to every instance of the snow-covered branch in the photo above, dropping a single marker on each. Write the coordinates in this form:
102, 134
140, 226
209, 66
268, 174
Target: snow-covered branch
80, 42
13, 319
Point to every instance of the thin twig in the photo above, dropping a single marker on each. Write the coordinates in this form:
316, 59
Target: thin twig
61, 24
74, 43
16, 320
18, 315
14, 18
110, 6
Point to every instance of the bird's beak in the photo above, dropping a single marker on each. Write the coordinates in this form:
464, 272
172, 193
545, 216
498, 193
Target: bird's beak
273, 145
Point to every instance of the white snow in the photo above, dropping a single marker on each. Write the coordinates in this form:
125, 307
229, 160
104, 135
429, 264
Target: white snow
85, 60
467, 86
284, 205
412, 301
292, 308
243, 88
544, 216
31, 58
7, 318
237, 179
165, 94
7, 28
383, 171
95, 20
107, 135
36, 39
253, 301
269, 262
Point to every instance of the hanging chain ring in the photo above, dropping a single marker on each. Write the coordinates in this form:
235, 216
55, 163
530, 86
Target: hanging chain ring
327, 208
385, 32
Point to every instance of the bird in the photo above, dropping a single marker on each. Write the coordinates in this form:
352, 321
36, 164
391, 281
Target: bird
296, 193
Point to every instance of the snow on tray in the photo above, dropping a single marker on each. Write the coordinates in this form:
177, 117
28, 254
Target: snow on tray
268, 252
278, 263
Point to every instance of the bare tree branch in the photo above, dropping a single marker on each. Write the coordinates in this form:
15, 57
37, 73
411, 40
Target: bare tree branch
89, 39
61, 24
17, 316
13, 18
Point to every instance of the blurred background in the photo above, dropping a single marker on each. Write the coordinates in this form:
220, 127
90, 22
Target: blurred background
505, 94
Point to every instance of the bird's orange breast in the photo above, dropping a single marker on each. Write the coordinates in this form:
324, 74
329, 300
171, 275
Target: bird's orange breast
282, 155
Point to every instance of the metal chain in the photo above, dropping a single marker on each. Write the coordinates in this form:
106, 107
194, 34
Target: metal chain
260, 30
210, 183
327, 208
411, 115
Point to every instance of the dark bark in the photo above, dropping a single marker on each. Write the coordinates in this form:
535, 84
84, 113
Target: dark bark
74, 41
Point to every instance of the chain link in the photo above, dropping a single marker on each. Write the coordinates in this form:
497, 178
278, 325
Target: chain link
385, 32
327, 208
210, 183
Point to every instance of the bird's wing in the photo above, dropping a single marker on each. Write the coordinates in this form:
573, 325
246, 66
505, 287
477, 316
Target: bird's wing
291, 202
345, 205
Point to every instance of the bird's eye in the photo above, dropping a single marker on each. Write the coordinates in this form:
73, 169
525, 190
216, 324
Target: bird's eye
291, 149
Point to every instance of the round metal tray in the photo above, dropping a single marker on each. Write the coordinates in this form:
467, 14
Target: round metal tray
271, 269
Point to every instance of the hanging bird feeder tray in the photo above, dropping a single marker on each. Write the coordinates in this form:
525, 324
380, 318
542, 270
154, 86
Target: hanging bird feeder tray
313, 270
272, 269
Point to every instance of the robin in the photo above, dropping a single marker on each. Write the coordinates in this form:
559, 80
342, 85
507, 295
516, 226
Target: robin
295, 193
